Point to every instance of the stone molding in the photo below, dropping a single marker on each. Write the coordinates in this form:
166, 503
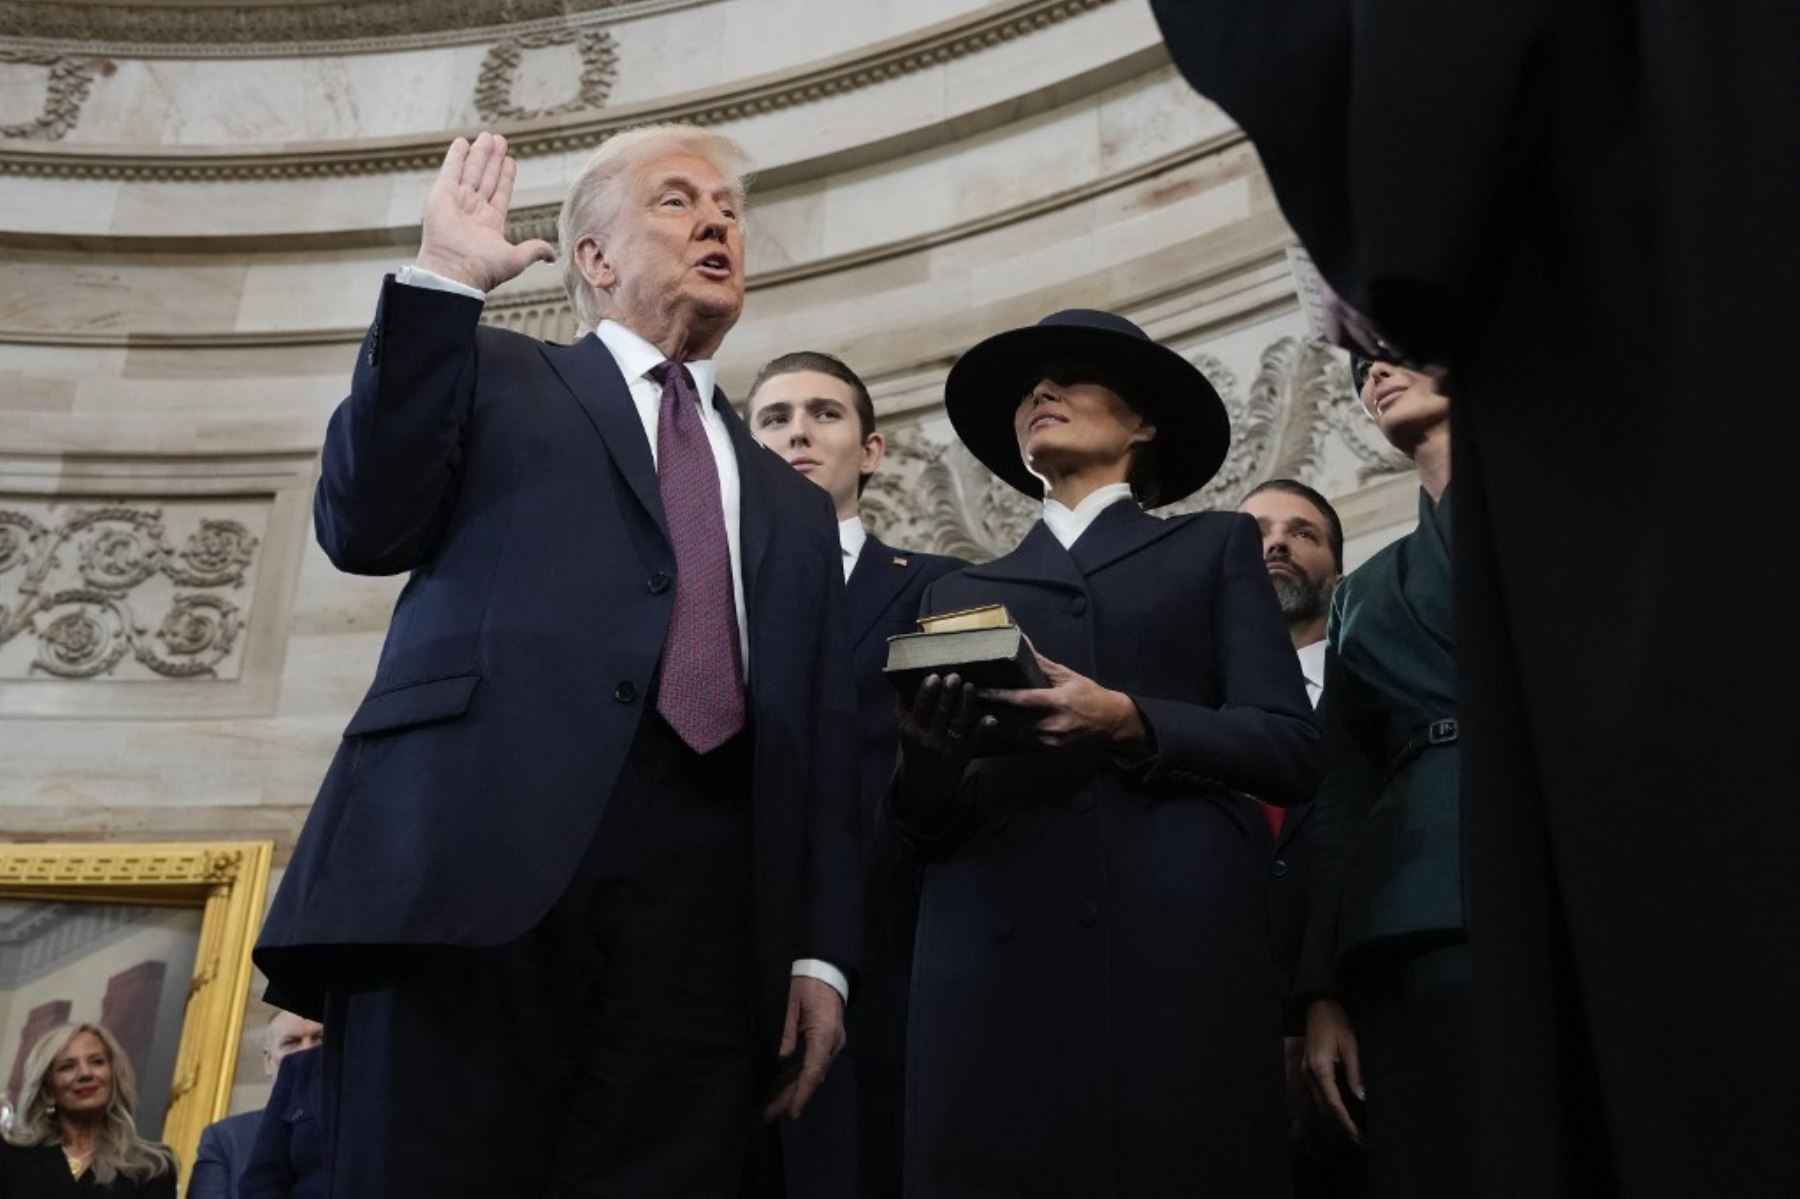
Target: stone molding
893, 59
500, 70
64, 93
77, 585
545, 312
283, 30
139, 585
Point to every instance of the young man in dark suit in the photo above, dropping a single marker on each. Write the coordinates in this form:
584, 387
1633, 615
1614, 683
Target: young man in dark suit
815, 412
588, 858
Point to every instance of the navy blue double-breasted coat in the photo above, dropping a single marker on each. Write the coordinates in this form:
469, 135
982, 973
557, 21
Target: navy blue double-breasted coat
1096, 1007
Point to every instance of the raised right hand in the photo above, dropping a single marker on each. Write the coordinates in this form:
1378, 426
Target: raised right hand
464, 228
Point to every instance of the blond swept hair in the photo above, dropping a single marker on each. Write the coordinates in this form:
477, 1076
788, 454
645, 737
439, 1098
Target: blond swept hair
594, 199
120, 1151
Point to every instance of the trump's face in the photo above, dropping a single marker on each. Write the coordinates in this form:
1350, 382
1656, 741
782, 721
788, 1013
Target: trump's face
671, 260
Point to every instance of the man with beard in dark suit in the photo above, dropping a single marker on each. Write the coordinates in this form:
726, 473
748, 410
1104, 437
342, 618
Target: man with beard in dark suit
815, 412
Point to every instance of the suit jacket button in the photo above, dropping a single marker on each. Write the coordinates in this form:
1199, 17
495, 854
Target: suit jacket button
625, 692
1002, 932
657, 583
1083, 802
1280, 868
1087, 913
1078, 605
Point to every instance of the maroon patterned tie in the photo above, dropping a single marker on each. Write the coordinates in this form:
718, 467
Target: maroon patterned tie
702, 689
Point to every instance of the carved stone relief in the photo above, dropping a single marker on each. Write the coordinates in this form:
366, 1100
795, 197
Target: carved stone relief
65, 91
291, 27
124, 590
494, 89
1291, 421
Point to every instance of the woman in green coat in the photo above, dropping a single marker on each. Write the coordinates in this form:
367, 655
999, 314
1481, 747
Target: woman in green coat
1385, 966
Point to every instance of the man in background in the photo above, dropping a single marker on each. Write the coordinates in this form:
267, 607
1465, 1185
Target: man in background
225, 1146
1303, 549
816, 413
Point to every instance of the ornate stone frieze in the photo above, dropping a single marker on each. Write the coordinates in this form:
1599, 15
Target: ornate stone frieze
494, 89
849, 73
122, 590
246, 30
65, 90
932, 495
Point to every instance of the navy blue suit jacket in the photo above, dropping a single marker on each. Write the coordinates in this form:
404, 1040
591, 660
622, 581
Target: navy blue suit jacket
884, 593
512, 478
290, 1158
223, 1153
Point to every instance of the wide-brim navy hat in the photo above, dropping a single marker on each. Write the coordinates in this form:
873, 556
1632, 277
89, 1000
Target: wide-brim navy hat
985, 386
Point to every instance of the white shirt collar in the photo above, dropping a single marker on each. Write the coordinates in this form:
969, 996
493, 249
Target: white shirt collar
637, 358
1312, 668
852, 536
1068, 524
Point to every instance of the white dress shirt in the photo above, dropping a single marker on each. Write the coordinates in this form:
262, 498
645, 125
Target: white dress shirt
636, 359
852, 536
1312, 669
1068, 524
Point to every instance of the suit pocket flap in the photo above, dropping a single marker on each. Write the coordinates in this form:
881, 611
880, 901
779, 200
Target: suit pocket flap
417, 703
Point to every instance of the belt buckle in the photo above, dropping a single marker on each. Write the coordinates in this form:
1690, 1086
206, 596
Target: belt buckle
1441, 732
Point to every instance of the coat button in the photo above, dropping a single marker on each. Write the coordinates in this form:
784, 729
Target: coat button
999, 820
1002, 932
1087, 913
625, 692
1280, 868
1078, 605
1083, 802
657, 583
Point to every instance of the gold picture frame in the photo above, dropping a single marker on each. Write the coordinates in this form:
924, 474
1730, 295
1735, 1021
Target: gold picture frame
227, 881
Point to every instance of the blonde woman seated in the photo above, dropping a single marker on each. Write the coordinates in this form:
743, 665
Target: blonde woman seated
75, 1134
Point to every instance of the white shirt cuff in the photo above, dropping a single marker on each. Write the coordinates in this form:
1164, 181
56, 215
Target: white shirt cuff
826, 973
418, 276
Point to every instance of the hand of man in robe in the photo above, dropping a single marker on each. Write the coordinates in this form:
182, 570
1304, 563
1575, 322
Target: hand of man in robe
814, 1029
1073, 708
1331, 1042
464, 227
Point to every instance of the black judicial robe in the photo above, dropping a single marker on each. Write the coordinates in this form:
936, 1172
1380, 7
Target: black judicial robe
1096, 1008
1587, 212
1387, 844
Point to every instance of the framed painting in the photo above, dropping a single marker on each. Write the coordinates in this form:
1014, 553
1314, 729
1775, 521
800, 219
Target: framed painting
151, 940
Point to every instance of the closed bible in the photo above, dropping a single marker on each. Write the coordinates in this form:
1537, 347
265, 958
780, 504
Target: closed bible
979, 645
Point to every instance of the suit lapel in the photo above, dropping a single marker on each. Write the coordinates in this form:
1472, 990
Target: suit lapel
1120, 530
879, 576
1040, 559
593, 378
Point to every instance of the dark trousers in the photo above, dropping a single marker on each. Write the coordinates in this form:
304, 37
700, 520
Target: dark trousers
613, 1050
1411, 1010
